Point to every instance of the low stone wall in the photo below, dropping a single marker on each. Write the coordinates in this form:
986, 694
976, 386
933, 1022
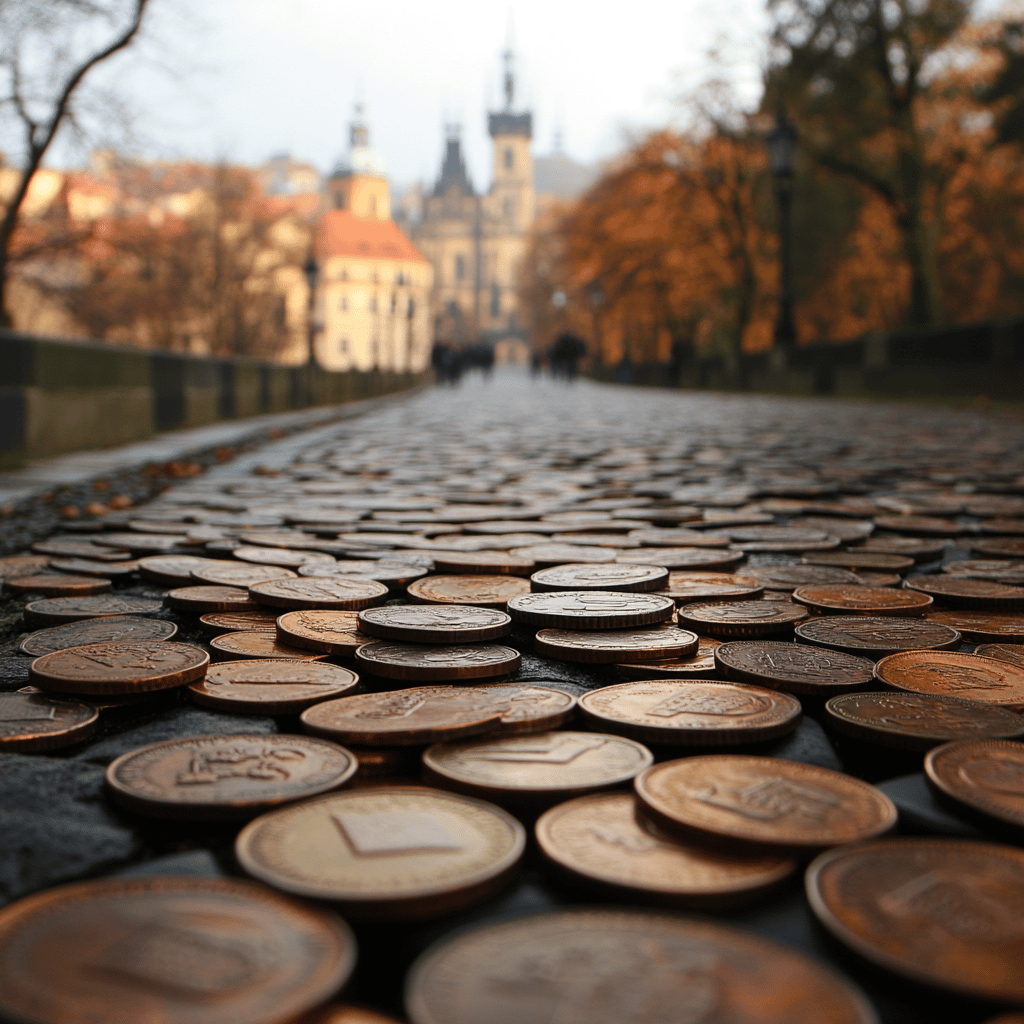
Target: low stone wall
64, 396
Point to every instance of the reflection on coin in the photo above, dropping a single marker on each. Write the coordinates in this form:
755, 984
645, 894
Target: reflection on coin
918, 548
956, 592
259, 645
698, 712
985, 775
340, 593
598, 841
842, 599
173, 570
328, 632
537, 770
679, 538
789, 577
280, 556
699, 665
338, 1013
219, 622
796, 668
615, 645
587, 576
33, 722
762, 801
590, 609
53, 611
395, 852
222, 778
485, 591
495, 563
393, 574
437, 662
95, 631
918, 721
531, 707
686, 587
271, 687
53, 585
613, 966
558, 554
1012, 654
435, 623
172, 949
954, 675
938, 911
981, 626
741, 618
119, 667
223, 573
858, 559
210, 599
682, 558
875, 637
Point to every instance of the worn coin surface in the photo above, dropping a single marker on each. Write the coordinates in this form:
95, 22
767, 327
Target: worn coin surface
918, 721
259, 644
939, 911
558, 554
53, 585
587, 576
876, 637
271, 687
687, 587
80, 549
741, 618
440, 662
394, 574
918, 548
219, 622
174, 570
280, 556
34, 722
843, 599
95, 631
340, 593
999, 570
1012, 654
796, 668
950, 674
616, 645
88, 567
612, 966
857, 559
789, 577
495, 563
957, 592
698, 712
223, 573
699, 665
123, 666
394, 852
20, 565
762, 802
682, 558
531, 707
210, 599
1001, 547
179, 950
328, 632
600, 842
985, 775
226, 777
980, 626
591, 609
53, 611
485, 591
435, 623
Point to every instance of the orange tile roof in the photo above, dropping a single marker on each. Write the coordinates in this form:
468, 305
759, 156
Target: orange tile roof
338, 233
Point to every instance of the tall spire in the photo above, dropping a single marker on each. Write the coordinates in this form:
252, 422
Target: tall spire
510, 79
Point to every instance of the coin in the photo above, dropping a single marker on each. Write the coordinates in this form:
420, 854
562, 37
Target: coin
531, 707
685, 587
789, 577
796, 668
915, 547
87, 567
938, 911
699, 665
741, 618
140, 543
918, 721
223, 573
437, 662
55, 611
698, 712
857, 559
682, 558
998, 570
1001, 547
218, 622
280, 556
95, 631
558, 554
340, 593
586, 576
79, 549
615, 645
119, 666
394, 574
876, 637
538, 770
1012, 654
271, 687
179, 950
840, 599
19, 565
612, 966
259, 645
174, 570
929, 526
599, 841
763, 802
226, 778
984, 680
590, 609
435, 623
955, 592
495, 563
655, 537
981, 626
328, 632
985, 775
878, 579
337, 1013
210, 599
34, 722
395, 852
485, 591
53, 585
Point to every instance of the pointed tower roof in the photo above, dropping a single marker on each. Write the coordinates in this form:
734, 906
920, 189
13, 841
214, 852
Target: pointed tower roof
453, 171
507, 121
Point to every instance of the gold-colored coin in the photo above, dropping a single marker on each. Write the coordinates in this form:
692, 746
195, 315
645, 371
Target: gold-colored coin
326, 631
486, 591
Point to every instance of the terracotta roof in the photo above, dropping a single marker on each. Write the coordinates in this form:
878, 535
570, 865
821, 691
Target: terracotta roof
338, 233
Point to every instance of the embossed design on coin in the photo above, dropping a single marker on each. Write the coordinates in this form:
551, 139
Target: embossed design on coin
429, 623
839, 599
687, 587
876, 637
1012, 654
588, 576
796, 668
220, 622
18, 565
478, 562
789, 577
53, 611
280, 556
173, 570
33, 722
486, 591
699, 665
616, 645
531, 707
95, 631
223, 573
954, 675
343, 593
272, 687
984, 775
210, 599
558, 554
590, 609
981, 626
260, 645
328, 632
426, 663
741, 618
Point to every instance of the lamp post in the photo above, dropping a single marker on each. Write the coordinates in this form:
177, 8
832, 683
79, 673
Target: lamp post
311, 270
781, 148
596, 296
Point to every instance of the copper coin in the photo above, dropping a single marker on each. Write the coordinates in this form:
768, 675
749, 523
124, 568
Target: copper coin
876, 637
775, 533
1012, 654
985, 775
981, 626
220, 622
119, 667
338, 1013
414, 716
387, 853
260, 645
938, 911
226, 778
495, 563
79, 549
328, 632
179, 950
699, 665
174, 570
651, 536
223, 573
271, 687
210, 599
857, 559
437, 662
600, 842
616, 645
435, 623
394, 574
20, 565
949, 674
796, 668
789, 577
280, 556
682, 558
998, 570
833, 526
587, 576
531, 707
878, 579
918, 721
590, 609
914, 547
485, 591
612, 966
698, 712
982, 595
34, 722
53, 585
558, 554
140, 543
340, 593
929, 526
763, 802
840, 599
686, 587
795, 546
87, 567
741, 618
538, 770
95, 631
1003, 547
55, 611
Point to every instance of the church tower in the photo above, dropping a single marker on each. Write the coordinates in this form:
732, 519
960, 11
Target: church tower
359, 183
512, 161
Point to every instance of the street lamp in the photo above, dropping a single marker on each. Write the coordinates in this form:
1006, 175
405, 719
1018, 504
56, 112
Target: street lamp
311, 270
781, 148
596, 296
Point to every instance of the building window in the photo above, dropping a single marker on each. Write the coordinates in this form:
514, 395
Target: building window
460, 267
510, 158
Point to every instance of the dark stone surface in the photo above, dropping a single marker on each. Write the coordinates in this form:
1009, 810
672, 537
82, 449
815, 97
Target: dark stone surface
201, 863
922, 814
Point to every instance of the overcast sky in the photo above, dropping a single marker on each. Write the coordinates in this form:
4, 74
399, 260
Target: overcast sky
267, 76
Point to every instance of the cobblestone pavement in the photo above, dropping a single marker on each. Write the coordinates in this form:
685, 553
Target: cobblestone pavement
510, 448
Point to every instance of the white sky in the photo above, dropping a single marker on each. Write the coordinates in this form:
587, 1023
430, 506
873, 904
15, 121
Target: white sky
256, 77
